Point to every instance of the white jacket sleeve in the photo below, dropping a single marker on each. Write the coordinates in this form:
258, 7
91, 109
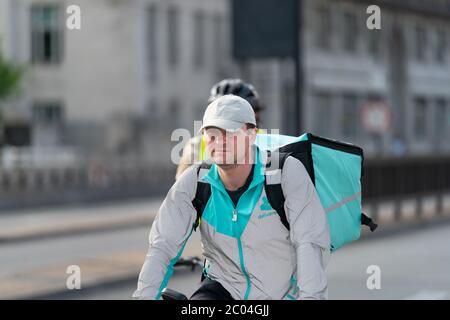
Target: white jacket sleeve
309, 229
169, 233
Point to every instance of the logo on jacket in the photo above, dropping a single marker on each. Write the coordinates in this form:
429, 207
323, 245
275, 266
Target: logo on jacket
265, 206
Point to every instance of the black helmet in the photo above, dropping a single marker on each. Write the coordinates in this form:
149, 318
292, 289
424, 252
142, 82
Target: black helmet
238, 88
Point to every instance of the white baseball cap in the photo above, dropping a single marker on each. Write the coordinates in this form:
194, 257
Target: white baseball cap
229, 112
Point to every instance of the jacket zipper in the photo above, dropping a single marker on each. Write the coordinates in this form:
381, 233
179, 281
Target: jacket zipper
240, 249
234, 218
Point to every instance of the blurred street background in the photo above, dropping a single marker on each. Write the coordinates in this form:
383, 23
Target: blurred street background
87, 119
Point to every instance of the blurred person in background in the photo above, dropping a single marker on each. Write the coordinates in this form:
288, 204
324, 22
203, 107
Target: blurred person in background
195, 148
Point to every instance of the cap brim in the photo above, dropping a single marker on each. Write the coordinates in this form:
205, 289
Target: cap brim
222, 124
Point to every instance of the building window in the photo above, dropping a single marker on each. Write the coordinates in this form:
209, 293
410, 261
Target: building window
350, 116
218, 40
420, 118
442, 122
152, 43
441, 47
421, 43
17, 134
199, 110
323, 37
173, 36
46, 34
322, 114
47, 113
174, 114
152, 109
350, 26
374, 38
221, 45
199, 39
48, 120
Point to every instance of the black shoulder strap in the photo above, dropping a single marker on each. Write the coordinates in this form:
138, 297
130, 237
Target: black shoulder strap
201, 195
274, 191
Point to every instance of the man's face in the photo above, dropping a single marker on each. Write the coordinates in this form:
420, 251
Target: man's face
228, 148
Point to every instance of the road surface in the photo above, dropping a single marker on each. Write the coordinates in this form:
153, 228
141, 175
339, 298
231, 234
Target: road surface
413, 264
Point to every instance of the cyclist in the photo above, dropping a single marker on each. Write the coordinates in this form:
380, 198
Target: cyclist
249, 252
195, 148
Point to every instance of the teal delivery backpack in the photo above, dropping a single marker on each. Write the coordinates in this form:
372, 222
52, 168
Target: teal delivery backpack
335, 168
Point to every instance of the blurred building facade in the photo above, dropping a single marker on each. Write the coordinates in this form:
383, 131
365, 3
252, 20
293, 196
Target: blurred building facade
405, 66
135, 71
138, 69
